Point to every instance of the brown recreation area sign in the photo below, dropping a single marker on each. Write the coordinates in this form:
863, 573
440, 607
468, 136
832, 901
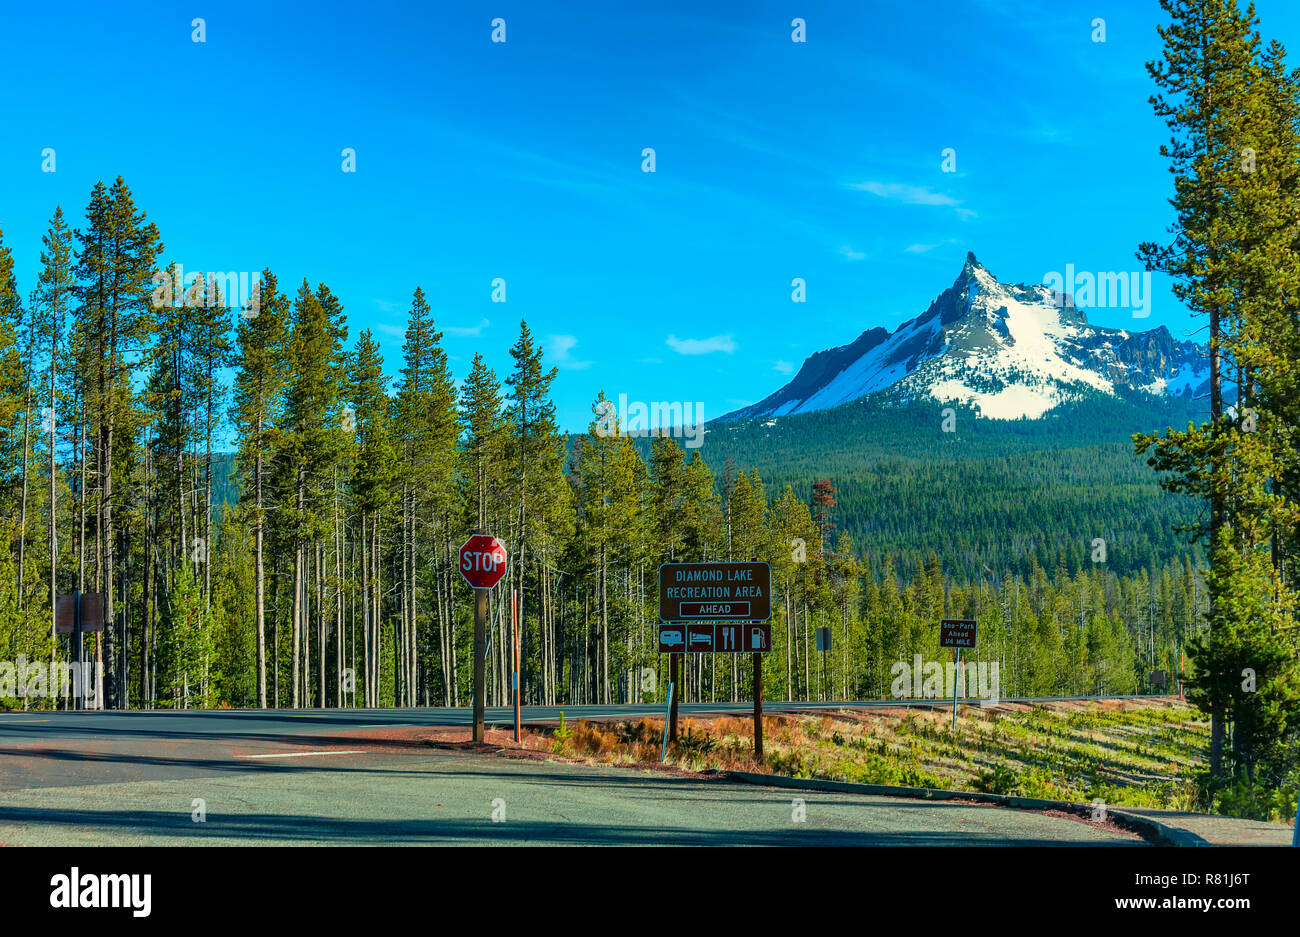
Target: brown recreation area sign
715, 592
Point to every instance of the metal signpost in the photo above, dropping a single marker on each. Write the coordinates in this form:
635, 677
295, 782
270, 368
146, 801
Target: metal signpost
716, 608
75, 613
956, 633
663, 751
482, 564
824, 645
514, 628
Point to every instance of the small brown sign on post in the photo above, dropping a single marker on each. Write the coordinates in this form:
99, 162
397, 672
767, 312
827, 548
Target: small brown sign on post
957, 632
715, 592
92, 612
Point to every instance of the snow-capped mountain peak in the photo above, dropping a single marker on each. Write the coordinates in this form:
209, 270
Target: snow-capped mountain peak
1007, 350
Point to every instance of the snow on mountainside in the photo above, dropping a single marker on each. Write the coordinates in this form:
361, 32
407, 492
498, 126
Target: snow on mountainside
1009, 351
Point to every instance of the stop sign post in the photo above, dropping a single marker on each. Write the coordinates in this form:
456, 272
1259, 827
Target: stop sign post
482, 564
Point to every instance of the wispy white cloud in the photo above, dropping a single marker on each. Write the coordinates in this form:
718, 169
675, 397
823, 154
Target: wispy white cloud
466, 331
784, 367
396, 331
701, 346
908, 194
919, 248
848, 253
559, 348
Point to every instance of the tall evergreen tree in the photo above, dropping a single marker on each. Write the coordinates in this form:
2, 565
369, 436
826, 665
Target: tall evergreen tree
115, 268
1204, 75
258, 388
55, 293
309, 434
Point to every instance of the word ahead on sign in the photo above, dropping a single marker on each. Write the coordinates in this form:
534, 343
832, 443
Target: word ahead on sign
715, 592
482, 561
957, 632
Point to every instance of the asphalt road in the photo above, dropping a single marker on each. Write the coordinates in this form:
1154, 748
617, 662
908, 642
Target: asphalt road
451, 798
235, 723
364, 777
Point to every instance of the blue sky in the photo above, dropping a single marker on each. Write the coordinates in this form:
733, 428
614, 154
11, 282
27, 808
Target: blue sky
523, 160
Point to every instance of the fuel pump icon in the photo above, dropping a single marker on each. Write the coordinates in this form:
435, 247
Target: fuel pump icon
757, 639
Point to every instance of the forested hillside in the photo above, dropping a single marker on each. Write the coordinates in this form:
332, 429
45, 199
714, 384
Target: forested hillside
987, 495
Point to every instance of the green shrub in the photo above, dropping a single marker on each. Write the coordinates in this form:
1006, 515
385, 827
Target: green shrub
1001, 780
1254, 801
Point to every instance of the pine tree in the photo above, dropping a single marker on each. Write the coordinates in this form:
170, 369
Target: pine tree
210, 329
595, 483
309, 435
426, 413
482, 433
15, 400
258, 388
115, 269
12, 376
535, 456
1204, 75
374, 477
55, 293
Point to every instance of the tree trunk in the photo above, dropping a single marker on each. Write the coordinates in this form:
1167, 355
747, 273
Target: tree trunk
296, 611
366, 686
260, 572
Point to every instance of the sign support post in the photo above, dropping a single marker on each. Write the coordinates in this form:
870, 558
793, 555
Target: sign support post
77, 642
1295, 836
672, 706
480, 639
482, 564
663, 751
514, 627
758, 707
956, 691
957, 633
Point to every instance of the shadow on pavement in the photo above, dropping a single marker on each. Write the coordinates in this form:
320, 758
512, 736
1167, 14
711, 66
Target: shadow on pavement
273, 828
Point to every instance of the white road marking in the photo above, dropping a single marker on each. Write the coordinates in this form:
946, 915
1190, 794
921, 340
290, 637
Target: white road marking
388, 725
304, 754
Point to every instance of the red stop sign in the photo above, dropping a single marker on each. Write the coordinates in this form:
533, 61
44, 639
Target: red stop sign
482, 561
